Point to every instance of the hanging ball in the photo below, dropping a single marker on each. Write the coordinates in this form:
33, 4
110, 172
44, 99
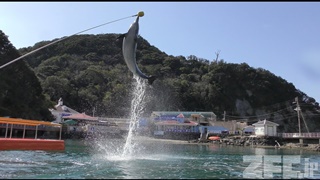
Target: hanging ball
141, 13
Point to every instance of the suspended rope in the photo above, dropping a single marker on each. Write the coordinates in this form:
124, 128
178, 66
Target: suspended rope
10, 62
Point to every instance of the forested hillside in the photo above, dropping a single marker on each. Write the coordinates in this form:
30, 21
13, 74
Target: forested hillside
89, 73
20, 91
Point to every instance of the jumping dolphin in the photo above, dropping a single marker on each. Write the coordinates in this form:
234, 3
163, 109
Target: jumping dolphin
129, 47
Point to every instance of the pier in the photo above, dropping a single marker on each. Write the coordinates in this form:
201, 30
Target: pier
301, 136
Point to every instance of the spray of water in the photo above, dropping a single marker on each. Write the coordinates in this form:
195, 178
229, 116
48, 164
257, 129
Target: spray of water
137, 105
125, 149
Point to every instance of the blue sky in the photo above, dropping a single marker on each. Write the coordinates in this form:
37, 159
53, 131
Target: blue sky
281, 37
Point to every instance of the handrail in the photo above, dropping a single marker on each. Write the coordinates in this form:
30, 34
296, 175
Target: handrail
296, 135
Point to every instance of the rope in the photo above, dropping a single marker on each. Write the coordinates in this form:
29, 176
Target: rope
10, 62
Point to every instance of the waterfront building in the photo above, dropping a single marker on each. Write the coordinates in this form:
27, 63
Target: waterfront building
81, 125
183, 125
265, 128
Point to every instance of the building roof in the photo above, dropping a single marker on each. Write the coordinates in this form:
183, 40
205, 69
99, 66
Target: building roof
186, 114
64, 108
60, 108
173, 122
81, 116
248, 129
265, 122
63, 111
28, 122
166, 117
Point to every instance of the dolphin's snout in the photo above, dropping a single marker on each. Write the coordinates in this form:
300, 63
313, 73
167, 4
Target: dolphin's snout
137, 19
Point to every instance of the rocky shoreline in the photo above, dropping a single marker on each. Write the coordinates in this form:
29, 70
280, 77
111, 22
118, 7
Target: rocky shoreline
266, 142
261, 142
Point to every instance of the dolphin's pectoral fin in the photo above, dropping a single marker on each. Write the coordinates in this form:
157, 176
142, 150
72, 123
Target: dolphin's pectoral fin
121, 36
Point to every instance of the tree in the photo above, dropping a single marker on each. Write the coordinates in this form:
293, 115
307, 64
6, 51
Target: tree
20, 93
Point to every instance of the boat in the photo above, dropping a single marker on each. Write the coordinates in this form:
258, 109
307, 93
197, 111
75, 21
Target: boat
214, 138
24, 134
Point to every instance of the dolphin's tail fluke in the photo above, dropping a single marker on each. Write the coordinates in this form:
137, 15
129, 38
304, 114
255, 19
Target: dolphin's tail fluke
151, 79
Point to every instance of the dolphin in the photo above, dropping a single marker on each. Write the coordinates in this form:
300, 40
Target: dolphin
129, 47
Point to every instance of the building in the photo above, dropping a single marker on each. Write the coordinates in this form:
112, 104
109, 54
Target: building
143, 126
174, 125
265, 128
61, 111
233, 126
248, 130
200, 117
81, 125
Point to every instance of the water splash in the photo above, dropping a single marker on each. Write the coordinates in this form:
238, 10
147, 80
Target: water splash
137, 105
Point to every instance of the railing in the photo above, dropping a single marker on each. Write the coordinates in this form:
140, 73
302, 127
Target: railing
303, 135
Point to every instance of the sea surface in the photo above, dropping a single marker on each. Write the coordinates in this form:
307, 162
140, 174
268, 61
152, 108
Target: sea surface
104, 159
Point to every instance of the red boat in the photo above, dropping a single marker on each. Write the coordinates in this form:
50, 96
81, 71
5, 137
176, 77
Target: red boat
22, 134
214, 138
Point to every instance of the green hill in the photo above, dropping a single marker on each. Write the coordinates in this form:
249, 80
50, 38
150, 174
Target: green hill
89, 73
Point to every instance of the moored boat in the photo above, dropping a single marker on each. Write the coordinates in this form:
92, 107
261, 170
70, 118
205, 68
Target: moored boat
22, 134
214, 138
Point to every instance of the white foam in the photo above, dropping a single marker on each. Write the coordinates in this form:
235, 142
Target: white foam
137, 105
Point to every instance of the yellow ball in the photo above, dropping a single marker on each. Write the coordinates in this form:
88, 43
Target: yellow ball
141, 13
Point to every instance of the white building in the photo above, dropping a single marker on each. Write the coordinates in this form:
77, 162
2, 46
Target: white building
265, 128
61, 110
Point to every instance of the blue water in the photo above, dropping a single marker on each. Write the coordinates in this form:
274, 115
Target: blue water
84, 159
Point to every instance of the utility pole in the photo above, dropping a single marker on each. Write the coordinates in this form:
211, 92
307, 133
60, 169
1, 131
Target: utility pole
298, 111
305, 123
224, 116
